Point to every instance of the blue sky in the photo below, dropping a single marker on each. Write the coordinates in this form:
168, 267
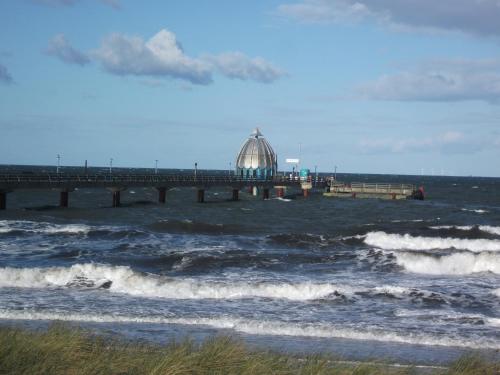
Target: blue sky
372, 86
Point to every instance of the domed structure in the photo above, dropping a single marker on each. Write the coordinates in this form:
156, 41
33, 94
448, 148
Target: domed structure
256, 158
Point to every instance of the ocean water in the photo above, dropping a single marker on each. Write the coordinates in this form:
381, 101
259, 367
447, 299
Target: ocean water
408, 281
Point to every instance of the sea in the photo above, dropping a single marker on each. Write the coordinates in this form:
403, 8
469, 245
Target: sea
360, 279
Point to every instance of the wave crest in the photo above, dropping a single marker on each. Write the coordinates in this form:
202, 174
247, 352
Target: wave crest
454, 264
122, 279
275, 328
388, 241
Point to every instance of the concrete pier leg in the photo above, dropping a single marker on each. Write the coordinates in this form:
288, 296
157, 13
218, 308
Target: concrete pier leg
64, 198
265, 194
162, 195
250, 190
280, 192
255, 191
236, 193
116, 198
201, 195
3, 200
305, 193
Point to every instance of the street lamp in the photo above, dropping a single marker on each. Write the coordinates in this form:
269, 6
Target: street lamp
195, 170
316, 175
335, 173
110, 165
156, 166
58, 162
229, 169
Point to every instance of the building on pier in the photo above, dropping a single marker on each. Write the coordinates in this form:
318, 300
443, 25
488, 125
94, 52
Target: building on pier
256, 158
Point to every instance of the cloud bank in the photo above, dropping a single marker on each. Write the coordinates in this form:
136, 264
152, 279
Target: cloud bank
236, 65
451, 142
5, 76
60, 47
478, 17
445, 80
163, 56
115, 4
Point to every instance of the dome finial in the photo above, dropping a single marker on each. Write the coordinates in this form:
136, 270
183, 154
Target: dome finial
256, 133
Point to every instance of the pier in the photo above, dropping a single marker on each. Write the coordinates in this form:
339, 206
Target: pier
66, 184
373, 190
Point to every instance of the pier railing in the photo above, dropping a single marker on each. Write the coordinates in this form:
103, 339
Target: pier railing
361, 187
56, 180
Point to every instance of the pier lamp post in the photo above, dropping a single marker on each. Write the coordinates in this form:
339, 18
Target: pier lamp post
229, 169
195, 170
156, 166
315, 175
335, 174
58, 163
110, 165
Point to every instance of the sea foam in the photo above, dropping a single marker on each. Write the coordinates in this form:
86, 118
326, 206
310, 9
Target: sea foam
266, 327
453, 264
483, 228
7, 226
388, 241
122, 279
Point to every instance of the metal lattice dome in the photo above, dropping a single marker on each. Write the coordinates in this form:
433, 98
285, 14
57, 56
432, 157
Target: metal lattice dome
256, 158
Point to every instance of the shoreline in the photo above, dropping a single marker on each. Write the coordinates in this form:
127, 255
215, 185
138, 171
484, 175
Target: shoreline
63, 348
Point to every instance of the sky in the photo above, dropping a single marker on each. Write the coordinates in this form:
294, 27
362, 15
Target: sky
369, 86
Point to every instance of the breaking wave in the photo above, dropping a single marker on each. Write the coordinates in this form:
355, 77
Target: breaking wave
483, 228
388, 241
453, 264
8, 226
477, 211
259, 327
122, 279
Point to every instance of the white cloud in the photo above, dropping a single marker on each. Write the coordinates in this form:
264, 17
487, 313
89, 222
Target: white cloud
236, 65
60, 47
161, 55
479, 17
451, 142
445, 80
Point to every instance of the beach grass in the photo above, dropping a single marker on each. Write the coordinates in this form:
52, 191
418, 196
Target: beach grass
64, 349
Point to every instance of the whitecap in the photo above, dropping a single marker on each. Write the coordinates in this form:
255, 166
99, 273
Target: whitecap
388, 241
124, 280
266, 327
454, 264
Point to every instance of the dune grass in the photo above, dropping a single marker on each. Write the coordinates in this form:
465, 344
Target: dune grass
63, 349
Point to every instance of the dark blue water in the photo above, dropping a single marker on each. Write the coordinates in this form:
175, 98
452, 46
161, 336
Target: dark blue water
414, 281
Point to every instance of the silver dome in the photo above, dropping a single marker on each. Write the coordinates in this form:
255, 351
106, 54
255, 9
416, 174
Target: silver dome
256, 157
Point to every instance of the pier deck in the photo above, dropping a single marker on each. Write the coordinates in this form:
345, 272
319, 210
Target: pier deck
371, 190
116, 183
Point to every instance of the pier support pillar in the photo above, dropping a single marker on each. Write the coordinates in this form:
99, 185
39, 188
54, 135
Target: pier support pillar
201, 195
3, 200
116, 198
255, 191
162, 194
305, 193
280, 191
64, 198
236, 193
265, 193
250, 190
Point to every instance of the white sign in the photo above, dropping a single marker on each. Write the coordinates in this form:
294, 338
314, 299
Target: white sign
292, 161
